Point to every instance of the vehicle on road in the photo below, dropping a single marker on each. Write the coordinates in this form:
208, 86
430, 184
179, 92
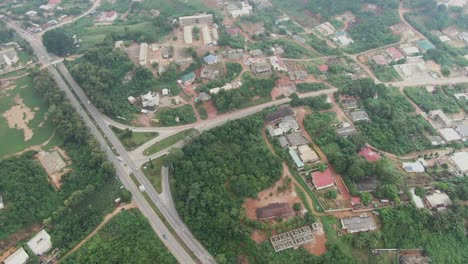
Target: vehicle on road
164, 236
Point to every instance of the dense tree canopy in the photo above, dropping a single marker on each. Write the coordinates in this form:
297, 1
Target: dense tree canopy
58, 41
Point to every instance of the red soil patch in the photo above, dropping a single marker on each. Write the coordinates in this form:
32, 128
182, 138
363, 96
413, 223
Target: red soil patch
144, 120
258, 236
276, 92
210, 109
318, 247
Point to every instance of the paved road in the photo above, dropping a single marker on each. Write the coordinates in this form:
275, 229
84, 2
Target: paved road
122, 169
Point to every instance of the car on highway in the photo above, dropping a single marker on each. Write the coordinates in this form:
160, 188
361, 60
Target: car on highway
164, 236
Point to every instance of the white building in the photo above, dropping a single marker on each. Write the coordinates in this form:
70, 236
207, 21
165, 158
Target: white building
449, 134
196, 19
188, 35
460, 160
416, 166
307, 154
40, 243
143, 53
418, 202
410, 50
277, 63
343, 41
438, 200
18, 257
206, 36
326, 29
236, 10
151, 99
31, 13
8, 57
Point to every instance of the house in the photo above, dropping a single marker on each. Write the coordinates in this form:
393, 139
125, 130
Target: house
40, 243
210, 59
188, 78
282, 112
300, 75
438, 200
143, 53
299, 38
235, 54
416, 166
463, 36
297, 161
202, 97
277, 63
440, 117
359, 116
31, 13
296, 139
274, 132
436, 140
462, 130
288, 123
165, 91
151, 99
196, 19
343, 41
106, 17
346, 130
274, 210
261, 68
358, 224
239, 9
460, 160
425, 45
283, 142
226, 87
418, 202
380, 60
131, 99
366, 184
410, 50
444, 38
349, 103
256, 53
326, 29
307, 154
449, 134
18, 257
322, 180
188, 38
323, 67
207, 40
209, 73
8, 57
394, 54
369, 154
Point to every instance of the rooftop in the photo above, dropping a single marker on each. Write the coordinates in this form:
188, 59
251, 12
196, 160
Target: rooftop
449, 134
307, 154
296, 159
366, 184
425, 44
358, 224
461, 161
322, 180
416, 166
274, 210
210, 59
359, 116
438, 199
18, 257
369, 154
40, 243
280, 113
296, 139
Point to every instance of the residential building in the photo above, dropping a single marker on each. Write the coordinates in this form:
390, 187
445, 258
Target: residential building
143, 54
18, 257
214, 33
366, 184
438, 200
274, 210
343, 41
211, 59
358, 224
207, 40
226, 87
8, 57
380, 60
346, 130
409, 50
440, 117
1, 203
292, 239
288, 123
326, 29
31, 13
131, 99
416, 166
296, 139
394, 54
425, 45
322, 180
283, 142
188, 35
436, 140
449, 134
462, 129
209, 73
239, 9
460, 160
261, 68
151, 99
188, 78
106, 17
297, 161
40, 243
256, 52
196, 19
359, 116
277, 63
323, 67
418, 202
349, 103
282, 112
463, 36
307, 154
369, 154
203, 97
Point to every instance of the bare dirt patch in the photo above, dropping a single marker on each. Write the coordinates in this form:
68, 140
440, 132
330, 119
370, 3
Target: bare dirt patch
210, 109
259, 236
55, 162
144, 120
19, 116
317, 246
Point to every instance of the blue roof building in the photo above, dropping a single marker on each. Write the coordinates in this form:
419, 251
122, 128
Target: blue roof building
425, 45
210, 59
296, 159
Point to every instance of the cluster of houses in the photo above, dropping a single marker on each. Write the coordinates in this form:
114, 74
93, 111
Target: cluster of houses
39, 245
8, 59
435, 200
339, 37
449, 130
149, 101
204, 21
351, 107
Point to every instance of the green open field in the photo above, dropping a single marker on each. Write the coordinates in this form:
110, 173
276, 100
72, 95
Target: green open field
167, 142
133, 140
13, 140
153, 172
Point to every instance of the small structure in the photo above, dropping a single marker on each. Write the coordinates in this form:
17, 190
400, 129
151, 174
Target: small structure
203, 97
239, 9
209, 73
307, 154
277, 63
322, 180
288, 123
282, 112
196, 19
326, 29
444, 38
188, 78
143, 54
106, 17
188, 35
343, 40
261, 68
359, 116
440, 117
425, 45
8, 57
369, 154
449, 134
296, 139
283, 142
323, 67
165, 91
40, 243
380, 60
438, 200
131, 100
349, 103
357, 224
256, 53
292, 239
462, 130
297, 161
436, 140
394, 54
463, 36
460, 160
207, 40
1, 203
416, 166
18, 257
31, 13
410, 50
418, 202
274, 210
210, 59
346, 130
366, 184
151, 99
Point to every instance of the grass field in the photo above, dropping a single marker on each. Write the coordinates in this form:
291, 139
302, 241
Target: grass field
13, 140
167, 142
153, 173
135, 139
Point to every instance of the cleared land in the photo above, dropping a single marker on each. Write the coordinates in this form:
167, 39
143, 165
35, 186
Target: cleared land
132, 140
167, 142
152, 171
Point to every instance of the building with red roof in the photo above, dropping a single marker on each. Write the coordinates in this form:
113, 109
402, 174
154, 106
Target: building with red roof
369, 154
394, 54
322, 180
323, 67
54, 2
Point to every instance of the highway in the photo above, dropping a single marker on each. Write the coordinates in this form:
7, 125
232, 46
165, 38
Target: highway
124, 167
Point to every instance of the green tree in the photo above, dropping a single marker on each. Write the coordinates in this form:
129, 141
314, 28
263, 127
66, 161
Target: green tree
297, 206
58, 41
420, 191
366, 198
